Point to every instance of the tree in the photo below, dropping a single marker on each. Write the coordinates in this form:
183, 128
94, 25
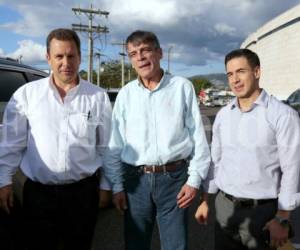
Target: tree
111, 75
200, 84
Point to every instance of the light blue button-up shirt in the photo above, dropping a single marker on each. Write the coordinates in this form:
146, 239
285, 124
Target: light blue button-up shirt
156, 127
256, 154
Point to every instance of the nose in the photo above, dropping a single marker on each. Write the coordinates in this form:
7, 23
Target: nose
235, 78
140, 56
66, 60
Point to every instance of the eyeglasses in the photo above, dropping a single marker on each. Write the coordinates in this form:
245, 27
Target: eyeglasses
142, 52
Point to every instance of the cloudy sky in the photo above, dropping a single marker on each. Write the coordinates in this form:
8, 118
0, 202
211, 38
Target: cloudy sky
199, 32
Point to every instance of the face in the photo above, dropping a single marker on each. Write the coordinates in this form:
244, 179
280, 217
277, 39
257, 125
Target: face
145, 59
243, 79
64, 60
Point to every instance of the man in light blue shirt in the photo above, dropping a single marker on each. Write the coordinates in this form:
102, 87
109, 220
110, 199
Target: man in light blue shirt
158, 154
255, 151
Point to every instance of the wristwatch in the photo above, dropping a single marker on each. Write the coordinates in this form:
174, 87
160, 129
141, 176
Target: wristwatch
284, 222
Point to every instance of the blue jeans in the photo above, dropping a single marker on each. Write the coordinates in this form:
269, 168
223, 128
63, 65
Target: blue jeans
150, 196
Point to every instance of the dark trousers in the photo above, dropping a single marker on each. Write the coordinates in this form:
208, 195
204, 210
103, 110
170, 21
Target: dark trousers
11, 231
241, 227
60, 215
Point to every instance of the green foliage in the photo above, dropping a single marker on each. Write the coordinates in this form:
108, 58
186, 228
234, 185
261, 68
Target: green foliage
111, 76
200, 83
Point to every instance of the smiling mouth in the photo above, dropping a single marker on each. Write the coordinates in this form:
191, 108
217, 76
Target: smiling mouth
239, 88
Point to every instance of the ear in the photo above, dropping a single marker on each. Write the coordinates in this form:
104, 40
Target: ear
159, 50
257, 72
48, 58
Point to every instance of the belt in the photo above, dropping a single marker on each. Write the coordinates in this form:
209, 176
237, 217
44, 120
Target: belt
244, 202
168, 167
75, 184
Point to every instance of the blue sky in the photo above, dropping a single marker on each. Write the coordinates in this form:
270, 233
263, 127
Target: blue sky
200, 32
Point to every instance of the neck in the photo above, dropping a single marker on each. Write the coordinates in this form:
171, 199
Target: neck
246, 103
63, 88
151, 83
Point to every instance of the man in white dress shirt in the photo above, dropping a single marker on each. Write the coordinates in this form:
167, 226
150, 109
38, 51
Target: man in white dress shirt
56, 129
255, 151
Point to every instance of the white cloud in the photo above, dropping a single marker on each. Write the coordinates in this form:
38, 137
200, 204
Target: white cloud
37, 19
224, 29
30, 52
201, 30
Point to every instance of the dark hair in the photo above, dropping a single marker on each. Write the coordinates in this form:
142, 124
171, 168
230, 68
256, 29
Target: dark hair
63, 35
250, 56
141, 36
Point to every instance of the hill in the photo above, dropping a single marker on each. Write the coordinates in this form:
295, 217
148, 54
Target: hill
218, 79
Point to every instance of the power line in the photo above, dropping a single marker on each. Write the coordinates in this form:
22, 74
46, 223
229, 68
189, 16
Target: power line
91, 30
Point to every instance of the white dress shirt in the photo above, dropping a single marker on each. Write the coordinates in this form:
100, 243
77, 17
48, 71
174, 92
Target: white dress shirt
54, 141
256, 154
156, 127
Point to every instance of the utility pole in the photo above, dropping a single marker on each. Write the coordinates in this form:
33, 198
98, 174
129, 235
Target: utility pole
90, 29
122, 54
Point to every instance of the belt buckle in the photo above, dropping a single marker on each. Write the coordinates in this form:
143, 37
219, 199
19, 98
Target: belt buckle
151, 170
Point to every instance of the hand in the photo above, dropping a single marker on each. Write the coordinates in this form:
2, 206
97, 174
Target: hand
202, 212
186, 196
120, 201
278, 233
6, 198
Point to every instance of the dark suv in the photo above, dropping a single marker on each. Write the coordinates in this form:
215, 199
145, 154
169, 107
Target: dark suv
294, 100
12, 76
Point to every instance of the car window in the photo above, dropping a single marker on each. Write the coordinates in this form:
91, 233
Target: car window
34, 77
9, 82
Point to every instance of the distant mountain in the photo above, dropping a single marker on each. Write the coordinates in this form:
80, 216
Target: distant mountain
218, 79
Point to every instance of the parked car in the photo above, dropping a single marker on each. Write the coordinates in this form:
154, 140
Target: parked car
112, 94
13, 75
294, 100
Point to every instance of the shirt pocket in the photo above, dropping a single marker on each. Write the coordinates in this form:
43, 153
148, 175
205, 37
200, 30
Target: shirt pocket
83, 125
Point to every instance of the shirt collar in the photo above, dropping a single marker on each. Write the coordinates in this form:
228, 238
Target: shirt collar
72, 92
161, 83
262, 100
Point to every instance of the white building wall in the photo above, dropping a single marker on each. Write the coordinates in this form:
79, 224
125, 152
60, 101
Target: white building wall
277, 44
